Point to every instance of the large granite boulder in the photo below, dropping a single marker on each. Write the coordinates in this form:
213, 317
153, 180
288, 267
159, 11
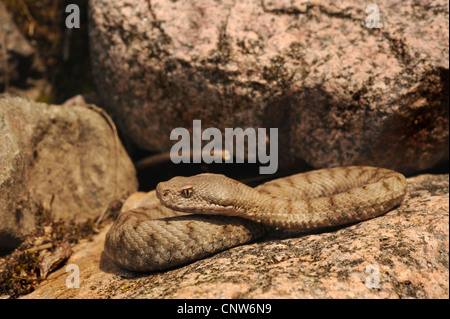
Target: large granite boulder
59, 162
342, 86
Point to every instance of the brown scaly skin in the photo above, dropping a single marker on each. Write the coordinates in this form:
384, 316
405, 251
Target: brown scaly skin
233, 213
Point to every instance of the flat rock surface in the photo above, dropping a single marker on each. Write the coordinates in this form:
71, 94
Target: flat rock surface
403, 254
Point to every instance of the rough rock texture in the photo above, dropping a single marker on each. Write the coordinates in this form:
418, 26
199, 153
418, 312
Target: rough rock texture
408, 248
18, 60
65, 161
339, 92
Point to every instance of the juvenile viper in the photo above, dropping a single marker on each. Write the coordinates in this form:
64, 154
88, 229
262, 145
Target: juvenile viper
228, 213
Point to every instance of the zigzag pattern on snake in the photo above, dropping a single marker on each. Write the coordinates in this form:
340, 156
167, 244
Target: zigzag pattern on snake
222, 213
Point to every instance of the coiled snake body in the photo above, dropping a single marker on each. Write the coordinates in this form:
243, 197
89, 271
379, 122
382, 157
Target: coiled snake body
225, 213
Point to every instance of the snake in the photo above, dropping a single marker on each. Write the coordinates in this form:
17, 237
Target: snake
197, 216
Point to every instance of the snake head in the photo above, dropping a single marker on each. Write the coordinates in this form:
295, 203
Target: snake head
203, 194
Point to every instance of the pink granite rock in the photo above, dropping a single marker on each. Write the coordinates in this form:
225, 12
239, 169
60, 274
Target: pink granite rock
339, 92
403, 254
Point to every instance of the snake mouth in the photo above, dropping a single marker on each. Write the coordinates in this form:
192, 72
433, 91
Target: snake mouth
210, 209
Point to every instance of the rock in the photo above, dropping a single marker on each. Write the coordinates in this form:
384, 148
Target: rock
63, 162
403, 254
51, 261
20, 66
339, 92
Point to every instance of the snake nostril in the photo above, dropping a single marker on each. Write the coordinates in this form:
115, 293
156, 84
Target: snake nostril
165, 193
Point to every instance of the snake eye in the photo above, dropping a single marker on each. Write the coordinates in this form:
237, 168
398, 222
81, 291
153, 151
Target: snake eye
187, 192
